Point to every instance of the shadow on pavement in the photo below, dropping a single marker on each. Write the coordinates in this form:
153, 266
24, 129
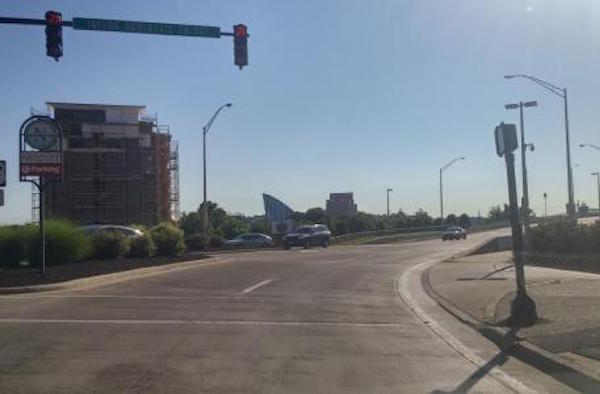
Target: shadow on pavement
498, 360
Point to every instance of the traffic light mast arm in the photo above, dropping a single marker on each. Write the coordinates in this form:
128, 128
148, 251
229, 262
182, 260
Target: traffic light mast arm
29, 21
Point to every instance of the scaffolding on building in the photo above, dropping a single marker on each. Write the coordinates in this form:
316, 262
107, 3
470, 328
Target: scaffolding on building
174, 184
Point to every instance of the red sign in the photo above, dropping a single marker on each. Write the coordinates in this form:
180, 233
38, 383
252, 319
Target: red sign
45, 170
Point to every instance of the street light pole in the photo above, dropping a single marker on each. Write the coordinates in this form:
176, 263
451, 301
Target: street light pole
205, 130
388, 200
524, 146
562, 93
597, 175
442, 189
545, 204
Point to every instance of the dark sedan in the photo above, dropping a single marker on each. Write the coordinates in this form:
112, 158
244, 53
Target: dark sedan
307, 236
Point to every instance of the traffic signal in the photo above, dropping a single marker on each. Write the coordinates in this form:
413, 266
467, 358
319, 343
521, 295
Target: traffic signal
54, 44
240, 45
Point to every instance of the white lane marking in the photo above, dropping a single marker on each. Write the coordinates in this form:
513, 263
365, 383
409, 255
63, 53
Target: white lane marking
203, 322
256, 286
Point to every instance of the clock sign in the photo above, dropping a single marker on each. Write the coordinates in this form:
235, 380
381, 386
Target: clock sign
41, 134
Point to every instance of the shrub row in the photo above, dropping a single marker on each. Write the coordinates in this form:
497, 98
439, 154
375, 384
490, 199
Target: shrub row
65, 244
565, 236
199, 241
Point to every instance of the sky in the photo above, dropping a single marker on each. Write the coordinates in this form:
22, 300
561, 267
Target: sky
340, 95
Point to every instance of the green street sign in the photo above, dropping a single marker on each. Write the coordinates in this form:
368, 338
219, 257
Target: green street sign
146, 27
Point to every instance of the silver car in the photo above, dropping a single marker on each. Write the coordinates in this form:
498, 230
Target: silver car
250, 240
128, 232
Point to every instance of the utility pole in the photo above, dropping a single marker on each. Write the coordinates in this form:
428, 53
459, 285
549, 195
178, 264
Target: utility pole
597, 175
442, 189
562, 93
523, 309
388, 200
205, 130
545, 204
524, 146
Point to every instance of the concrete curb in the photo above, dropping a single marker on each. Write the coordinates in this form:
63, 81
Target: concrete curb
581, 378
114, 277
495, 372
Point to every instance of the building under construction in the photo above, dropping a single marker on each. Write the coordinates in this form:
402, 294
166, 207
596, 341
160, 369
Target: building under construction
120, 167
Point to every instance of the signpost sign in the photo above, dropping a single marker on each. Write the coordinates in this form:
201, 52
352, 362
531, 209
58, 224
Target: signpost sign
146, 27
40, 162
1, 197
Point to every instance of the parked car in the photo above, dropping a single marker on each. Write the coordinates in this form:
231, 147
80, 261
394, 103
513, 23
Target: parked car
307, 236
250, 240
128, 232
454, 233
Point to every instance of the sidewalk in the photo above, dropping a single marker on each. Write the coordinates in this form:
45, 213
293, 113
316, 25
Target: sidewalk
479, 289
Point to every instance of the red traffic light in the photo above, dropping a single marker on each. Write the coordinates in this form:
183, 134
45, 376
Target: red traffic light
53, 18
240, 45
240, 31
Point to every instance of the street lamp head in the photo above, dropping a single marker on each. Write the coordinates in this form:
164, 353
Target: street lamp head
531, 147
511, 106
509, 76
228, 105
530, 104
462, 158
582, 145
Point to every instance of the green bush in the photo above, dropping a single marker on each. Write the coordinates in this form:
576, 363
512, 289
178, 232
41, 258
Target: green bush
64, 243
168, 239
141, 246
565, 236
216, 241
108, 245
196, 241
13, 245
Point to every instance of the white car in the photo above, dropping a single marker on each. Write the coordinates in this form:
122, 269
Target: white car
454, 232
250, 240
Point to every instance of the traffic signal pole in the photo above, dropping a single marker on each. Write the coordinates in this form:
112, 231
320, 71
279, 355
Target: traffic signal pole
54, 24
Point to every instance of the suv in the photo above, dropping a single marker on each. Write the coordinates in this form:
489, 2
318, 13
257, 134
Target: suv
307, 236
454, 233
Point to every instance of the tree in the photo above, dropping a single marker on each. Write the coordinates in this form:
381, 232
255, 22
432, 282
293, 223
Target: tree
316, 215
191, 223
232, 226
357, 224
464, 221
496, 213
259, 225
340, 228
216, 214
451, 220
422, 218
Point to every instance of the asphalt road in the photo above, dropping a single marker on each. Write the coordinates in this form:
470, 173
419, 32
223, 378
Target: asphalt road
317, 320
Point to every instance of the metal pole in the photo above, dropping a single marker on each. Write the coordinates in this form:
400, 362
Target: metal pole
525, 204
571, 203
388, 200
597, 175
42, 229
441, 202
545, 204
204, 204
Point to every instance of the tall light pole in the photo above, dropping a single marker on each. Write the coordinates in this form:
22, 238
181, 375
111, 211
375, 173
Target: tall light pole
590, 146
442, 189
597, 175
524, 146
205, 130
545, 204
562, 93
388, 200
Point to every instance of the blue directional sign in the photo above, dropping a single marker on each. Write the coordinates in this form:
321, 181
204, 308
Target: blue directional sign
146, 27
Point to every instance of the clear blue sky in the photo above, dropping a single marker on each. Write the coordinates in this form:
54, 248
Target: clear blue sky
339, 95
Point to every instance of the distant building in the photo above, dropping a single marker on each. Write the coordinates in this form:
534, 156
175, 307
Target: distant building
341, 204
279, 215
119, 166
